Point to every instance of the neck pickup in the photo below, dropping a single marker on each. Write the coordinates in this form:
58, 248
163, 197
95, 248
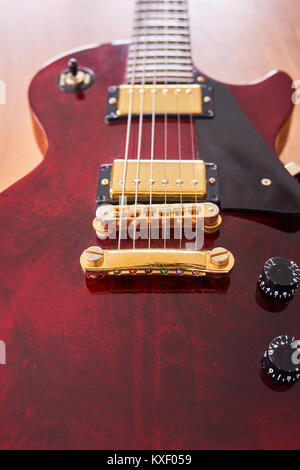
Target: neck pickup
160, 99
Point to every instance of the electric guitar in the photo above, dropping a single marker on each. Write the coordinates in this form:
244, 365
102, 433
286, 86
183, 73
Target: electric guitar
149, 263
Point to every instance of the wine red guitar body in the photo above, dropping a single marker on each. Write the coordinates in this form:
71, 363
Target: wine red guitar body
134, 363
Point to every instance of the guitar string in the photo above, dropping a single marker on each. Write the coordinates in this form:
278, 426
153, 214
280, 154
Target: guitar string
129, 120
178, 91
164, 228
180, 162
194, 168
180, 150
192, 124
152, 140
152, 157
140, 133
153, 91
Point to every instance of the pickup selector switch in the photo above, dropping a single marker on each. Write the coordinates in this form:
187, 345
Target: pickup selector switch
279, 279
281, 360
75, 79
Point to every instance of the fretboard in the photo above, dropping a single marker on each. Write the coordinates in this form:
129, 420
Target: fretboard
160, 51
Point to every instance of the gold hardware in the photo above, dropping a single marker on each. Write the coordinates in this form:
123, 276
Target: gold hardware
155, 261
211, 180
62, 80
207, 99
105, 182
168, 99
93, 254
200, 79
112, 100
87, 78
266, 182
107, 215
179, 181
219, 256
75, 80
293, 168
83, 79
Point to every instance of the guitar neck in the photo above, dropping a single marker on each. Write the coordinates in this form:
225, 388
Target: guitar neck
160, 51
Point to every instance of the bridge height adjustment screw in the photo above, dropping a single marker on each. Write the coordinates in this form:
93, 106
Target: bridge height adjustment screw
94, 254
219, 256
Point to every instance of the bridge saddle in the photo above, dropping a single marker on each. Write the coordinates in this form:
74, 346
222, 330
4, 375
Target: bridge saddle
159, 216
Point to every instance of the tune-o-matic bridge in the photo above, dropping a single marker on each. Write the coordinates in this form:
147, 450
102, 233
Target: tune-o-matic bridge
158, 215
158, 181
184, 99
96, 262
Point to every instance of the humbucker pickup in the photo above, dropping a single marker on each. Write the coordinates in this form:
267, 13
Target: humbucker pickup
186, 100
158, 181
96, 262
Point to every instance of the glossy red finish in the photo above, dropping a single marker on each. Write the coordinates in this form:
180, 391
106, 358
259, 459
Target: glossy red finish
131, 363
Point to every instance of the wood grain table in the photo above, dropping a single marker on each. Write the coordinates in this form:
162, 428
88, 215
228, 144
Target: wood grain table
235, 41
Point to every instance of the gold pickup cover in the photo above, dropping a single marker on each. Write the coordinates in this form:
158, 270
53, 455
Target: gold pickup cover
173, 178
170, 99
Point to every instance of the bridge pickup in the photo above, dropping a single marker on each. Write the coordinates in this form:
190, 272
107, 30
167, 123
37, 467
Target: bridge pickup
159, 180
108, 217
186, 99
96, 262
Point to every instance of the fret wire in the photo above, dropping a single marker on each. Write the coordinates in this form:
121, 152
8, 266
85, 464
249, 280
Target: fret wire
144, 31
153, 46
143, 9
161, 1
160, 79
174, 60
171, 58
159, 67
170, 74
156, 39
158, 16
157, 23
158, 2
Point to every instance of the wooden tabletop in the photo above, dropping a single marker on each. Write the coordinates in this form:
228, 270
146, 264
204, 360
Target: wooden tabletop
233, 41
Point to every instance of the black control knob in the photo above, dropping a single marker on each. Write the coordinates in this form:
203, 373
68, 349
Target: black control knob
282, 360
73, 66
279, 279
